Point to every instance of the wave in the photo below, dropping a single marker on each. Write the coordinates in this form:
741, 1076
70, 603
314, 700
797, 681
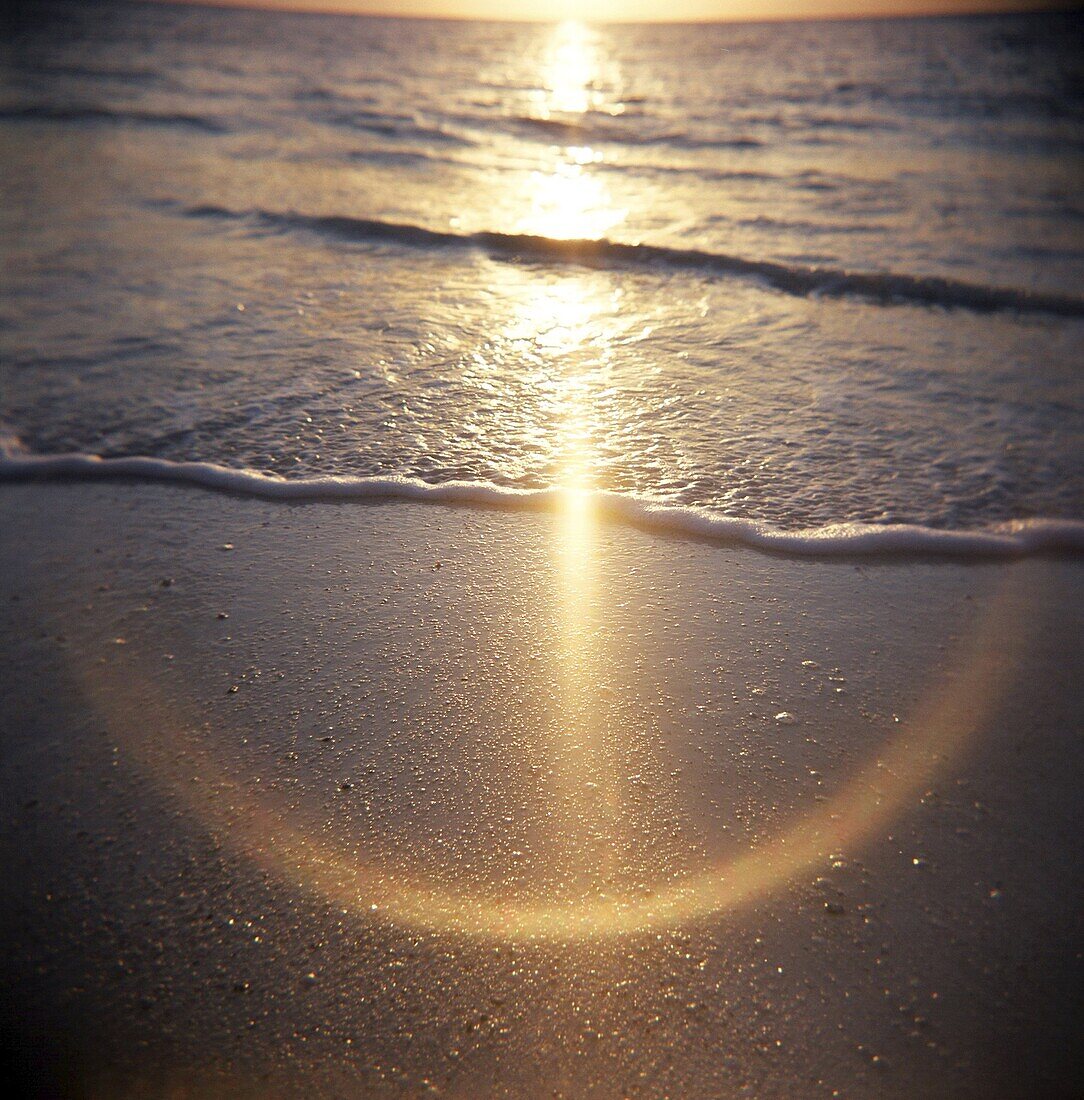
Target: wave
1014, 539
883, 288
395, 158
46, 113
696, 171
92, 72
601, 128
396, 127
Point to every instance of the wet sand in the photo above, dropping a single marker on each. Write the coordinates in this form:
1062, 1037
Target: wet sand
405, 800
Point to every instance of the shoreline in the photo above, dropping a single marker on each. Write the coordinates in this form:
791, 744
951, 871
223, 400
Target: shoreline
837, 540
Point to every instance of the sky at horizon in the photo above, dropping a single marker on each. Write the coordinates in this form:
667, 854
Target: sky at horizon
649, 10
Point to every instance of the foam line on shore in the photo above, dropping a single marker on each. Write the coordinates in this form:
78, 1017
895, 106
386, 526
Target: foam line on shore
1016, 538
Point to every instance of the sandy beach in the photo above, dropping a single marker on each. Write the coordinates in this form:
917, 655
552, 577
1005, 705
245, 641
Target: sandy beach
401, 799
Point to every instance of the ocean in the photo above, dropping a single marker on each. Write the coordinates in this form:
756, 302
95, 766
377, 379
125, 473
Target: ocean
776, 279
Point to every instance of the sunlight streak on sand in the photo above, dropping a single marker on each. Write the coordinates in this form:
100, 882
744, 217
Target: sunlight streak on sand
170, 741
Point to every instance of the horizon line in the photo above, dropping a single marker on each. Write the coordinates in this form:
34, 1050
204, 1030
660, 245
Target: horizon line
338, 9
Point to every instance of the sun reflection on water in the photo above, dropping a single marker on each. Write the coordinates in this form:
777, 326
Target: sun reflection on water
555, 316
570, 70
564, 198
562, 334
568, 202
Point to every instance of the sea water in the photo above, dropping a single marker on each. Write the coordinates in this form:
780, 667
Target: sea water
754, 279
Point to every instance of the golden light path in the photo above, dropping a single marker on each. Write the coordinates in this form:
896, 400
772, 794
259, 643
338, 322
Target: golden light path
564, 199
569, 70
556, 316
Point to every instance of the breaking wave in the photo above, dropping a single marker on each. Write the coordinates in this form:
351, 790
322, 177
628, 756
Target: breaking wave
882, 288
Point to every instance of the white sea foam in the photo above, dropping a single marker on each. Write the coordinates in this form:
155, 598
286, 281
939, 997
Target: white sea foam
1015, 538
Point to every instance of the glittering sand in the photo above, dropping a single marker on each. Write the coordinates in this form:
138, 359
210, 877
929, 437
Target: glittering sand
394, 799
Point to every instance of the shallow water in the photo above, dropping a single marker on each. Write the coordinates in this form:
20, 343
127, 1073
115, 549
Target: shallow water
842, 283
